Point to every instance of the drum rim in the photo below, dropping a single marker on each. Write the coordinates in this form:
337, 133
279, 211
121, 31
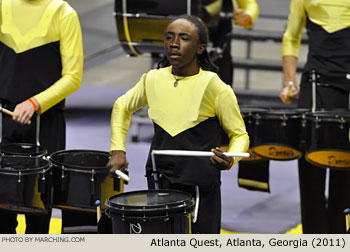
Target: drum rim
281, 113
29, 171
41, 153
327, 117
151, 210
79, 168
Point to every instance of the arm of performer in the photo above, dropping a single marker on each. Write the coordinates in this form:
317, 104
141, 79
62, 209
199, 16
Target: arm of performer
71, 50
230, 118
290, 49
245, 13
290, 89
123, 108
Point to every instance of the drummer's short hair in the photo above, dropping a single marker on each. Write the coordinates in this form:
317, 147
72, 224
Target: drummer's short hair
203, 59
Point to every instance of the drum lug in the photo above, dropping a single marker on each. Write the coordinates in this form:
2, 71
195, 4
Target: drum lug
303, 122
42, 184
284, 119
342, 122
166, 213
19, 177
257, 119
317, 120
144, 213
92, 182
64, 182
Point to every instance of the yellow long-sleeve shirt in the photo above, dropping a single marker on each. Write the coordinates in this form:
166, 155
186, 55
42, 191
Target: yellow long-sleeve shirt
25, 25
332, 15
177, 109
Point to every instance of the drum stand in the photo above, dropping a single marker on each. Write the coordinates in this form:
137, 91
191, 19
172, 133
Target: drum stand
187, 153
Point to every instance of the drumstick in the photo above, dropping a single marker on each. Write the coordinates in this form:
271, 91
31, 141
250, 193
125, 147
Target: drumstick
197, 153
98, 210
347, 219
122, 175
290, 85
235, 5
10, 113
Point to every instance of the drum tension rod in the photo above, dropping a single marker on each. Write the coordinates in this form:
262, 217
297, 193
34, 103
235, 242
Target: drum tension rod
19, 177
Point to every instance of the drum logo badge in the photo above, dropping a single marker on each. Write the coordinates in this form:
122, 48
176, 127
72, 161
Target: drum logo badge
135, 228
333, 161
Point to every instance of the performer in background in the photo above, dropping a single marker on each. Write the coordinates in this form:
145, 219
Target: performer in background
243, 13
41, 63
251, 175
328, 27
188, 104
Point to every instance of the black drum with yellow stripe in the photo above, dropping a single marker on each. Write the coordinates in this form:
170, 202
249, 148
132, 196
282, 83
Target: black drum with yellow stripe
141, 23
277, 134
327, 138
251, 117
25, 184
151, 212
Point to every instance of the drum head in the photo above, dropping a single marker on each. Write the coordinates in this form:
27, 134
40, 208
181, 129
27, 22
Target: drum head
335, 159
23, 149
11, 165
81, 160
150, 203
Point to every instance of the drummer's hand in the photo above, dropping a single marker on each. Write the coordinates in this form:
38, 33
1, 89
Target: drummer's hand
241, 18
287, 95
117, 162
23, 112
220, 160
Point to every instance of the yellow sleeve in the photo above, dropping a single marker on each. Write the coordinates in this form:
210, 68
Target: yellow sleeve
123, 108
229, 115
72, 56
296, 23
251, 7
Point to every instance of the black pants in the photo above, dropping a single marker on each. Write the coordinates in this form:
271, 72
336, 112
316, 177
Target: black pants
318, 213
52, 138
209, 211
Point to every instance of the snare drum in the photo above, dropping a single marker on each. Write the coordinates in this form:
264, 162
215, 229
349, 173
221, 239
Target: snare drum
141, 24
23, 149
151, 212
278, 134
327, 139
81, 178
25, 184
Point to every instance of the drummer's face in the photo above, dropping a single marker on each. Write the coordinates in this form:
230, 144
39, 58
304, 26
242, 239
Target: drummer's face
182, 46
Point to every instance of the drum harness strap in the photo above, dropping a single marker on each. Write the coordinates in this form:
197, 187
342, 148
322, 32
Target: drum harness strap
156, 185
314, 83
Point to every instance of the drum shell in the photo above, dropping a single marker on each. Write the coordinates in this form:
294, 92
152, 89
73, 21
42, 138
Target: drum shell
82, 179
278, 135
327, 139
145, 22
174, 218
28, 193
175, 224
250, 115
